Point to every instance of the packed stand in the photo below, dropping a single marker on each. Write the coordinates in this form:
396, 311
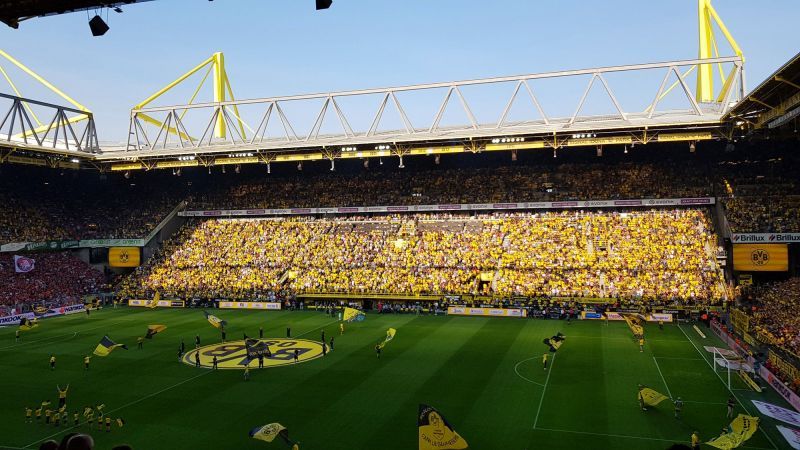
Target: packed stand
762, 197
775, 310
40, 205
57, 279
479, 185
657, 254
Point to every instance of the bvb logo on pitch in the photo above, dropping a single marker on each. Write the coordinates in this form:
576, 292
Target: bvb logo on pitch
232, 355
759, 257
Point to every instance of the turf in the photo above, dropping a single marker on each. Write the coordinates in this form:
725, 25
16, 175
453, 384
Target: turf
484, 375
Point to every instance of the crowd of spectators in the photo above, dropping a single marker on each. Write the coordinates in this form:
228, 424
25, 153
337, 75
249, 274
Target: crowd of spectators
478, 185
654, 254
40, 205
57, 279
775, 309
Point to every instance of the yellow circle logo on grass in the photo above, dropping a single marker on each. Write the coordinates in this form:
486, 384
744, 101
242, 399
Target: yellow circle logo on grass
232, 355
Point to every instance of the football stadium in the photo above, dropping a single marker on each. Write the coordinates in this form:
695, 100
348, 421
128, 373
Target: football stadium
479, 256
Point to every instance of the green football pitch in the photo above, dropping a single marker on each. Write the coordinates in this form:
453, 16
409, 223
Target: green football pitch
483, 374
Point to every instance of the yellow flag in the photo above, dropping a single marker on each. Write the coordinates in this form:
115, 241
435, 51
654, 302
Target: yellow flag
435, 433
651, 397
352, 315
741, 429
154, 302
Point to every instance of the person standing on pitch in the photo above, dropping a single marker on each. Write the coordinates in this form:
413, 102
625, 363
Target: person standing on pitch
16, 336
322, 338
544, 361
197, 359
296, 356
86, 359
331, 344
260, 333
378, 350
196, 341
139, 342
695, 440
341, 329
52, 362
661, 325
62, 396
641, 344
731, 404
214, 363
324, 348
223, 335
678, 407
288, 332
260, 361
247, 373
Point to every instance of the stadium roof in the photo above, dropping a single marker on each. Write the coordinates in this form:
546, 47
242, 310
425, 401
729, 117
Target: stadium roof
12, 12
774, 102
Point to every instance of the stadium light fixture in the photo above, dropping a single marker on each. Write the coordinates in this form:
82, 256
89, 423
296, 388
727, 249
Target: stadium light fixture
333, 165
380, 161
366, 164
323, 4
98, 26
269, 169
127, 174
626, 149
692, 147
75, 160
437, 159
300, 166
401, 166
178, 172
599, 150
223, 169
238, 168
555, 155
513, 155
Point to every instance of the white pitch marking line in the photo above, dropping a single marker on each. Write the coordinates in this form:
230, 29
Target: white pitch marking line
54, 337
524, 378
723, 383
544, 391
662, 377
125, 406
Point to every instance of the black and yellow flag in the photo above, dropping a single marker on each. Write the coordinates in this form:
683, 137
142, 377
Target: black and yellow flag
389, 336
215, 321
741, 429
27, 324
435, 433
152, 330
106, 346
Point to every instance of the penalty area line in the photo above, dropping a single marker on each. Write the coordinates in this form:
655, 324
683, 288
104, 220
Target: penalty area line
713, 369
124, 406
662, 377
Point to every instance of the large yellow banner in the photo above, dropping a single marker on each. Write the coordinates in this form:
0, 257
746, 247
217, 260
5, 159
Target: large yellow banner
761, 257
124, 256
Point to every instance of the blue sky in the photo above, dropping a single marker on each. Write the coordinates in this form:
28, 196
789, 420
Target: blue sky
279, 47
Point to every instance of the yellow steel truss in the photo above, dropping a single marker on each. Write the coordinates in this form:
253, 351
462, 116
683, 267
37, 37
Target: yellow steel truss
708, 49
222, 92
40, 126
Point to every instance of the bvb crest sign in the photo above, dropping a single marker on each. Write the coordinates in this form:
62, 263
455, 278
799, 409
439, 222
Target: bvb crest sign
233, 355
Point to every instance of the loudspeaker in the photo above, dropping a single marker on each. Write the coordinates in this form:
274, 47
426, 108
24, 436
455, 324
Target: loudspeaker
98, 26
324, 4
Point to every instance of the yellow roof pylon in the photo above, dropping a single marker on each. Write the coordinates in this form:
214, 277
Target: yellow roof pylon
223, 92
40, 126
708, 49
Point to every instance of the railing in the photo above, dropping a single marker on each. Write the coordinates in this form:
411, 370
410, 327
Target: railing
64, 129
265, 124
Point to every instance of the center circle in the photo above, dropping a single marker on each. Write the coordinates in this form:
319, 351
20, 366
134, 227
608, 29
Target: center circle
232, 355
